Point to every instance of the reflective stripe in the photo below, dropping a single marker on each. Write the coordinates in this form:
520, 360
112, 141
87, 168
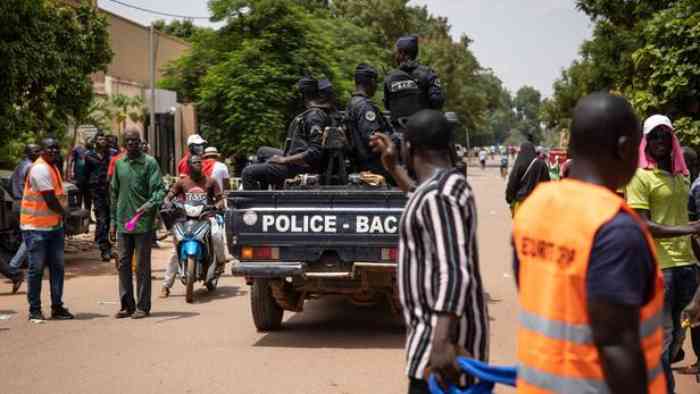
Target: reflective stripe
558, 384
649, 326
38, 212
578, 333
33, 197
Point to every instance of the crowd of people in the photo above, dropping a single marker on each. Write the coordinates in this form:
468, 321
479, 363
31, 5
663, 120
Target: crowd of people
607, 284
116, 183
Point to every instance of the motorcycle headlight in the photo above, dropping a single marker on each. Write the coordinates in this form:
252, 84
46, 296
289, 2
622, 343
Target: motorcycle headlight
193, 210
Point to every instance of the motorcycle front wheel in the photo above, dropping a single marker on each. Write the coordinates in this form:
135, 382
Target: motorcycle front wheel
212, 284
189, 284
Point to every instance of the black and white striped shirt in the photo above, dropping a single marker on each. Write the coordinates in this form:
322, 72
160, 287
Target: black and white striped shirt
439, 268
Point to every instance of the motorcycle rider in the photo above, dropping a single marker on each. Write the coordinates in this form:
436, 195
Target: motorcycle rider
302, 153
193, 187
412, 87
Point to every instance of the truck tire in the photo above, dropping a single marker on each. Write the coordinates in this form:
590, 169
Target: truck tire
189, 284
267, 314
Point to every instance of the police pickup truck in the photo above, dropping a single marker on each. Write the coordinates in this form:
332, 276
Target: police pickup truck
322, 234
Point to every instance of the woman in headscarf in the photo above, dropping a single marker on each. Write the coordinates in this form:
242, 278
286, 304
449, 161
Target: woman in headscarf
528, 171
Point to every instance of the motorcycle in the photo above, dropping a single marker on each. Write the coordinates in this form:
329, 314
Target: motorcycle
197, 256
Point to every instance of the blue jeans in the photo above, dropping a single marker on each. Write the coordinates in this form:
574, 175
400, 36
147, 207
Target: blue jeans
680, 285
45, 249
19, 257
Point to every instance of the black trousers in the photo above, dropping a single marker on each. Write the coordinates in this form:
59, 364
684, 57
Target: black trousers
416, 386
103, 220
138, 245
261, 175
85, 195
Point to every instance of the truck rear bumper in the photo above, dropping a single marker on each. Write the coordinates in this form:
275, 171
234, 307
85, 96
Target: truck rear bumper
259, 269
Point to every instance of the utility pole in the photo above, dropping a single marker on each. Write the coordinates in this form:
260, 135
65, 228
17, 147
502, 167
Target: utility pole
152, 112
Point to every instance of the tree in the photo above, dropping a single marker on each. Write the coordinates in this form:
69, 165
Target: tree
644, 50
184, 29
243, 76
667, 77
528, 105
246, 96
125, 107
47, 54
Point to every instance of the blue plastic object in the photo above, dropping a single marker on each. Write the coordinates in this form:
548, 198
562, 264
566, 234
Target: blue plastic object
487, 377
191, 248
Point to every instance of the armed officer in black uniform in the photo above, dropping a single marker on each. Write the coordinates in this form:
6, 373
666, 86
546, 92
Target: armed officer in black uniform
302, 153
412, 87
365, 118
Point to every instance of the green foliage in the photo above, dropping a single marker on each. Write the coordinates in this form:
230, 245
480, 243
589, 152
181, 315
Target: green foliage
47, 54
242, 77
667, 77
649, 51
184, 29
123, 107
527, 104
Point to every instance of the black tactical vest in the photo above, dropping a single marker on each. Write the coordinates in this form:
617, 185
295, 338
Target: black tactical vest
405, 96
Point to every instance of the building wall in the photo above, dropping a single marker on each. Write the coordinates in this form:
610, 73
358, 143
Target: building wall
130, 43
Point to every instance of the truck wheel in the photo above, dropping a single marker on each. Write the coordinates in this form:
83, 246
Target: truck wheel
189, 284
267, 314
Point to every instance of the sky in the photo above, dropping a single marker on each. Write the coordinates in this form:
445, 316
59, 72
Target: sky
525, 42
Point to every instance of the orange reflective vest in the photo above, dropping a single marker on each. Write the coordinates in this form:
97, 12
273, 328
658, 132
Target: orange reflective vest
35, 213
553, 233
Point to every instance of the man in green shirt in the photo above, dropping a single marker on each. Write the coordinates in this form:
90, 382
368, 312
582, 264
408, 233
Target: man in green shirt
659, 193
136, 188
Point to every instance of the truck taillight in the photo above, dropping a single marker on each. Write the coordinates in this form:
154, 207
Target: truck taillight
260, 253
390, 254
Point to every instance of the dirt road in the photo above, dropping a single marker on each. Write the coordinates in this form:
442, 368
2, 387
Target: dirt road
211, 346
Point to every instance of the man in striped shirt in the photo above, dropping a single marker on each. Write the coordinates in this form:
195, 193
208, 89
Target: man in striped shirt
440, 284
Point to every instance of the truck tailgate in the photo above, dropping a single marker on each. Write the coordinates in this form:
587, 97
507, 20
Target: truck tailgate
305, 224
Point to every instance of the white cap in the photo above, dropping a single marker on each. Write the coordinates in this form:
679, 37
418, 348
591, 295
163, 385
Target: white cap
655, 121
211, 151
195, 139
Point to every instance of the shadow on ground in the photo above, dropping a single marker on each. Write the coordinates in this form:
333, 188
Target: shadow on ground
334, 322
203, 296
162, 317
89, 316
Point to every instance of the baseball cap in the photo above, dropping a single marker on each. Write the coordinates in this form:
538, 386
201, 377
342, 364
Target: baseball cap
655, 121
211, 152
195, 139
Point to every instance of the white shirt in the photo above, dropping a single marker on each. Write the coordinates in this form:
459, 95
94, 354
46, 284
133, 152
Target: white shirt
220, 172
482, 155
40, 179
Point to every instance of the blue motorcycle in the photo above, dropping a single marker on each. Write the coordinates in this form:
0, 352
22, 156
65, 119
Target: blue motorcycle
193, 238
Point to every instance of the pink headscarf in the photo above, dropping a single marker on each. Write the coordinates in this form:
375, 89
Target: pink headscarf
677, 159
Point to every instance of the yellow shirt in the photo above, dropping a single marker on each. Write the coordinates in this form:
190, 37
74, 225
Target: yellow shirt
665, 196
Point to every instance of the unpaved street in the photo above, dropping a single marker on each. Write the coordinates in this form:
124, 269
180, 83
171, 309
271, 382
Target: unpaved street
211, 346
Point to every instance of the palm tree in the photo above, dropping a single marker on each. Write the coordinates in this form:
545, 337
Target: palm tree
127, 107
